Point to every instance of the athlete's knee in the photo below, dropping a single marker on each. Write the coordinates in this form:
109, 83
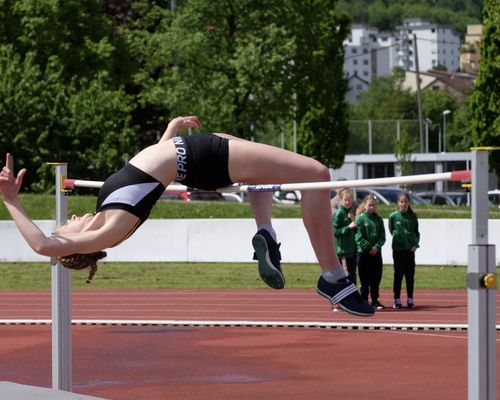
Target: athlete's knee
320, 172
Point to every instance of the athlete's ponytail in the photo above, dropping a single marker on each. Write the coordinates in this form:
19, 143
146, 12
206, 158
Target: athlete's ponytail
82, 261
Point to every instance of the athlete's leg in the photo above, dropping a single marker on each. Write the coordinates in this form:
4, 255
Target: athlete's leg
261, 203
265, 242
258, 163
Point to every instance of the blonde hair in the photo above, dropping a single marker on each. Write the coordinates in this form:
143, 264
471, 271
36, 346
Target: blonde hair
346, 192
82, 261
361, 206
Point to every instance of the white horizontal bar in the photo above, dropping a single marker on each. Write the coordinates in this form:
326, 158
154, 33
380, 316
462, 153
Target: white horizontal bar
396, 180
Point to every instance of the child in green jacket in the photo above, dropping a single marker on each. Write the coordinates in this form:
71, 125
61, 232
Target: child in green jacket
403, 225
344, 228
370, 237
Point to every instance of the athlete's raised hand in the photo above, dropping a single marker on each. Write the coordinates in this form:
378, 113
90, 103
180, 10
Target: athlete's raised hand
189, 121
9, 183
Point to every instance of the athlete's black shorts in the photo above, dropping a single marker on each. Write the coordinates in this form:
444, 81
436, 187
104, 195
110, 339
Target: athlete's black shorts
202, 161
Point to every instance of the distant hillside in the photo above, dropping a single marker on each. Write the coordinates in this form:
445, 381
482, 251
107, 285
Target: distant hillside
386, 15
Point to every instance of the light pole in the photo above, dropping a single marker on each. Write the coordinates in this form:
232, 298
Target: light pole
427, 122
445, 113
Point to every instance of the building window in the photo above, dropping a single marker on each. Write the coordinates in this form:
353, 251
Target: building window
359, 86
354, 50
433, 30
365, 62
365, 73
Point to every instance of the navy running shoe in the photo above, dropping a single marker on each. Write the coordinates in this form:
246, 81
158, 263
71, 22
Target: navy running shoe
345, 293
268, 254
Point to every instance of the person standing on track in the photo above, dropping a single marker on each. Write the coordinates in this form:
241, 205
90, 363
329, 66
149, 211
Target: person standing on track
370, 237
403, 225
344, 228
203, 161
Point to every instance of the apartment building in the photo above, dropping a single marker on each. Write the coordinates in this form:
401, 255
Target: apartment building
470, 55
437, 45
370, 54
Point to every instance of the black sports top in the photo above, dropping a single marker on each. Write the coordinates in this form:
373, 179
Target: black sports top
132, 190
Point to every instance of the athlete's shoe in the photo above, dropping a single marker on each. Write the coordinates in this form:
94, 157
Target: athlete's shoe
267, 252
411, 304
397, 304
378, 305
346, 295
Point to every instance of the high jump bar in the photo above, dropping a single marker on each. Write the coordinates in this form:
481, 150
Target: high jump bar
461, 175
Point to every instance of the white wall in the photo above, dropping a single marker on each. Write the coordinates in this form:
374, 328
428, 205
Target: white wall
443, 241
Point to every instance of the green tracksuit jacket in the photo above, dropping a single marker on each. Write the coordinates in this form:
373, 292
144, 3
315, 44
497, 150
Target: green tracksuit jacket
344, 236
370, 232
404, 230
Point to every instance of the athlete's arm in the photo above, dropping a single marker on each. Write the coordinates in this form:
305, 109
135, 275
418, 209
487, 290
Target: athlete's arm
173, 127
111, 233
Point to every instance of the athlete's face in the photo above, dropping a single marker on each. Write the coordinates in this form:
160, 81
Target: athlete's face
370, 206
403, 204
75, 224
347, 201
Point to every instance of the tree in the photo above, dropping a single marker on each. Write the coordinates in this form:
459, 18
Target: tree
318, 83
384, 103
248, 68
485, 98
60, 89
434, 102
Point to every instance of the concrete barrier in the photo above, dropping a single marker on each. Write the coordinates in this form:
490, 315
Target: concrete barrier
443, 241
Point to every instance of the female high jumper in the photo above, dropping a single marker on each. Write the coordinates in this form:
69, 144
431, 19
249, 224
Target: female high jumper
207, 162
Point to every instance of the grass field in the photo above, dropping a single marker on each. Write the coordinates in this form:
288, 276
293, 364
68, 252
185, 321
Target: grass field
36, 276
42, 206
28, 276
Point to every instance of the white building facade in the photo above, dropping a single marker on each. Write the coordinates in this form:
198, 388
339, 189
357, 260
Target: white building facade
368, 54
436, 45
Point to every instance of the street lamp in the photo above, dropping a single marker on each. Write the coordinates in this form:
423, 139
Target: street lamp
427, 122
445, 113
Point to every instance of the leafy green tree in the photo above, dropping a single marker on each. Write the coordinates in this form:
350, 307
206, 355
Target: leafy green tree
384, 103
318, 84
459, 132
61, 68
247, 68
434, 102
485, 98
387, 15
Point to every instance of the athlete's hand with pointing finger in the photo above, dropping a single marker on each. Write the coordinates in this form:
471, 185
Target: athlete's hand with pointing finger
10, 184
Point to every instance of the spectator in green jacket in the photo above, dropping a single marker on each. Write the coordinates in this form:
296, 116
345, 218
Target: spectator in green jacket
403, 225
370, 237
344, 228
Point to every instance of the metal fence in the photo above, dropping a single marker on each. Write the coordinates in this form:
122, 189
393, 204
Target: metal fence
380, 136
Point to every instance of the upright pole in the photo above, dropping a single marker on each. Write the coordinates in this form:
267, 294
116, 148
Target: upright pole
419, 96
61, 300
481, 285
370, 138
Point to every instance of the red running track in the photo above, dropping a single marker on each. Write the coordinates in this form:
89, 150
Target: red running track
433, 307
193, 362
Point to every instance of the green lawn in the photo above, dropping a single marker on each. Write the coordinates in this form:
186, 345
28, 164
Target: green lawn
36, 276
42, 206
27, 276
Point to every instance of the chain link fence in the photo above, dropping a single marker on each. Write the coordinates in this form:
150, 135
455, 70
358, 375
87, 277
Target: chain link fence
380, 136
